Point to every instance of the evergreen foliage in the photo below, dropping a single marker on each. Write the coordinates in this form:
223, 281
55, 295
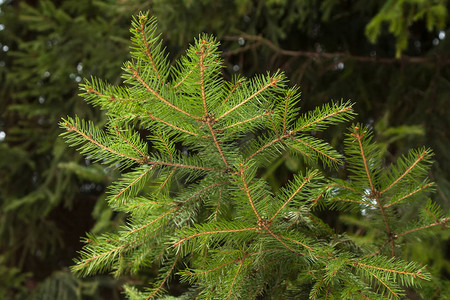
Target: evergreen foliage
192, 147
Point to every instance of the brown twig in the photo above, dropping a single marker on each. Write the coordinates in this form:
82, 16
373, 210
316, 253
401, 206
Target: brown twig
343, 55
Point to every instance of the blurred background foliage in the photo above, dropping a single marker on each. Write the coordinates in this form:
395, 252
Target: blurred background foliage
389, 57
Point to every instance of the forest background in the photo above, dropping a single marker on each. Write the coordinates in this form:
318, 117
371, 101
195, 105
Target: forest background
391, 58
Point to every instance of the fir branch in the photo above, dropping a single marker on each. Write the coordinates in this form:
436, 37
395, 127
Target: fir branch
437, 223
211, 232
167, 179
272, 83
286, 106
74, 128
234, 279
386, 223
202, 78
418, 274
143, 19
266, 113
166, 145
420, 157
297, 242
283, 243
128, 187
140, 228
169, 124
247, 192
202, 191
301, 151
359, 138
156, 94
129, 143
184, 78
233, 89
384, 284
266, 146
355, 201
224, 218
298, 190
317, 120
155, 292
213, 133
325, 115
317, 150
213, 269
176, 165
414, 192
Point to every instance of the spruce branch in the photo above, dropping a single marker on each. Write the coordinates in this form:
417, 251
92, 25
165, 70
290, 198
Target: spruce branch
402, 170
192, 147
170, 125
169, 273
266, 113
129, 185
181, 241
234, 278
272, 82
359, 136
142, 29
247, 192
156, 94
305, 181
203, 53
442, 223
216, 142
93, 143
231, 91
414, 192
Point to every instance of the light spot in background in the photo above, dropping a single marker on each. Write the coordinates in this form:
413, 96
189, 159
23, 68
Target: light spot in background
2, 136
435, 41
34, 178
5, 48
2, 27
46, 74
75, 77
41, 100
2, 63
79, 67
236, 68
339, 66
441, 35
241, 41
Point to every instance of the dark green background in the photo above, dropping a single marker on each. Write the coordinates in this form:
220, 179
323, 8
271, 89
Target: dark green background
391, 58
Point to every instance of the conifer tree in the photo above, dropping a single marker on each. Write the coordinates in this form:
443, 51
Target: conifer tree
192, 146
